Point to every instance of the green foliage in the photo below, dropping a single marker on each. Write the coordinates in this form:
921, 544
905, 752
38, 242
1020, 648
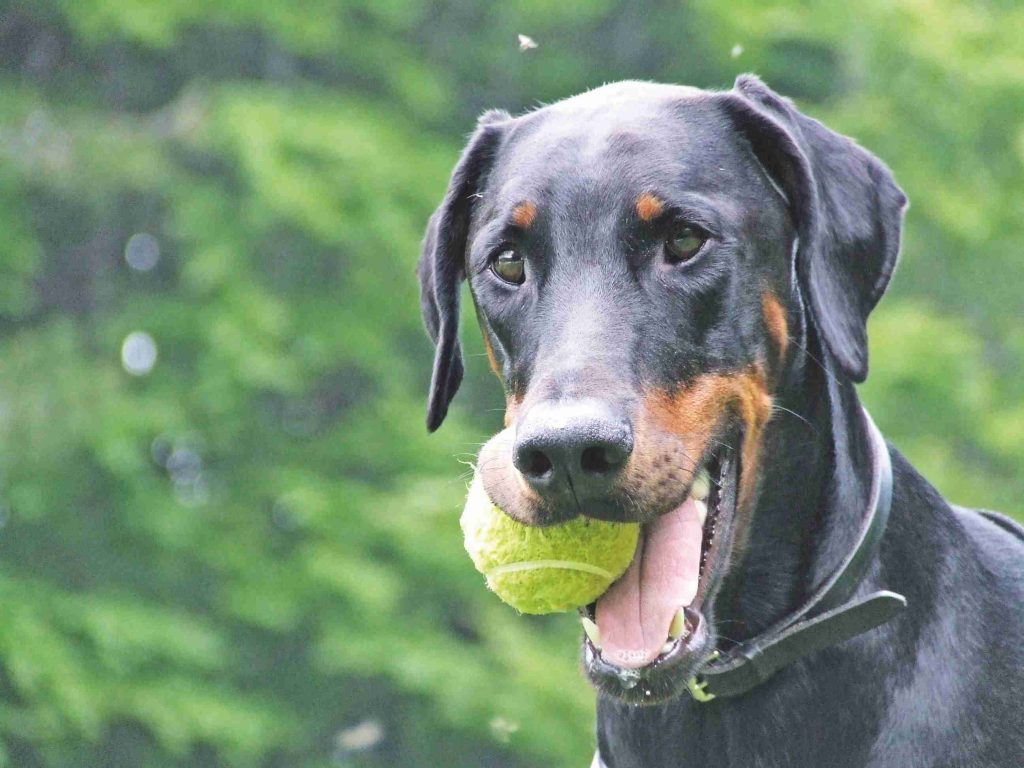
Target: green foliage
250, 554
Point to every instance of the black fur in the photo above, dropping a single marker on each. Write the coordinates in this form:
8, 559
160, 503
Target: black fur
442, 267
849, 213
815, 218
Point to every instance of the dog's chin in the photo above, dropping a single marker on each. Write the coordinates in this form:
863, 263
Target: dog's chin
691, 639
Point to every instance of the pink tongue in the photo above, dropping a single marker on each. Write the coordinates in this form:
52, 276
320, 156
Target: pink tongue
634, 615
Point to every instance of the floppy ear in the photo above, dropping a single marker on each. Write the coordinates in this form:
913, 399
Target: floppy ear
442, 263
847, 208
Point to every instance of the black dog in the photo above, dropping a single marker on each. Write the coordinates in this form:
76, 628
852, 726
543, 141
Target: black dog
673, 285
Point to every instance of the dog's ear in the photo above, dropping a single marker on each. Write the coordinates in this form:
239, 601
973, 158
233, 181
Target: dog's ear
847, 208
442, 263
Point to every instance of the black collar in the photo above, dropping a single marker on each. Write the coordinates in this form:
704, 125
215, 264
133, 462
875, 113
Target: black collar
829, 616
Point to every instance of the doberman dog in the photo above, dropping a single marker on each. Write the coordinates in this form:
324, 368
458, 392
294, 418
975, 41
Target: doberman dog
673, 286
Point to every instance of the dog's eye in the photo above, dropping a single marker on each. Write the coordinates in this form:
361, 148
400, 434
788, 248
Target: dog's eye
684, 243
508, 265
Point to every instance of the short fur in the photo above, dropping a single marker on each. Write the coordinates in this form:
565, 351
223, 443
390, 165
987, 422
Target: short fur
765, 333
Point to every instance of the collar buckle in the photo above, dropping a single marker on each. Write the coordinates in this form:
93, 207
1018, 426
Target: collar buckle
698, 686
697, 690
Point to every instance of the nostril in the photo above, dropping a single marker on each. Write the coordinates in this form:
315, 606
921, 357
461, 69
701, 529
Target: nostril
578, 447
599, 460
535, 463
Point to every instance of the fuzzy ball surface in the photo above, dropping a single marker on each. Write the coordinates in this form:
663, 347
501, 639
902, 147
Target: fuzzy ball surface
544, 570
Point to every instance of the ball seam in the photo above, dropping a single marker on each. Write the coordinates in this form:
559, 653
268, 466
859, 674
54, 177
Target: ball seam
568, 565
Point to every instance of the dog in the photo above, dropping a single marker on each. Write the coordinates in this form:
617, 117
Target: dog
673, 287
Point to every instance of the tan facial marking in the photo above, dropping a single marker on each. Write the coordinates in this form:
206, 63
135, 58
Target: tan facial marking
694, 413
512, 400
492, 360
506, 487
512, 403
648, 207
524, 214
775, 321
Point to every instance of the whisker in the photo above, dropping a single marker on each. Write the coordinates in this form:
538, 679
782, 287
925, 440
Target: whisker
819, 363
797, 415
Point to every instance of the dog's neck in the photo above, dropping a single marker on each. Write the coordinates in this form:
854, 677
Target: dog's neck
814, 490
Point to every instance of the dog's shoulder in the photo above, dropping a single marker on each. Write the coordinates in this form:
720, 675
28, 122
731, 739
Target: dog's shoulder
961, 668
1000, 541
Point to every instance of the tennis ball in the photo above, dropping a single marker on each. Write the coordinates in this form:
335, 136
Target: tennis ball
544, 570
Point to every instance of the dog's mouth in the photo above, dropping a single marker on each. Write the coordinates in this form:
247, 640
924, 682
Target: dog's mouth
649, 633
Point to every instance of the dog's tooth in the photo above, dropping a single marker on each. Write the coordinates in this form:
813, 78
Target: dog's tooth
677, 628
701, 487
592, 631
667, 647
702, 510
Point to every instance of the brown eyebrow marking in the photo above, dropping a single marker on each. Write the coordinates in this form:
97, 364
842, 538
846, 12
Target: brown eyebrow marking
775, 321
524, 214
648, 207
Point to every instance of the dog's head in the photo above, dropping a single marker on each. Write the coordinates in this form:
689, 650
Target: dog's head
645, 261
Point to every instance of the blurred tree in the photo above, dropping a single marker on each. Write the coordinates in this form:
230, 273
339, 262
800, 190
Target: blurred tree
226, 538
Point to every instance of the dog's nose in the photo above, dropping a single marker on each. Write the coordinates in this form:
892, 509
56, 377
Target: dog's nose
577, 447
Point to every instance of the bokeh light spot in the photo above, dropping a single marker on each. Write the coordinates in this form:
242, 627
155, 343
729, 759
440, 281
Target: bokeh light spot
142, 252
138, 353
361, 737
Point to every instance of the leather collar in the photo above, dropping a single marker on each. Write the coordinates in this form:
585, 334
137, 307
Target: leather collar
828, 617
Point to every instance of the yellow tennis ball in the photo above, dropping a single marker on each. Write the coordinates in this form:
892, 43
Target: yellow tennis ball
544, 570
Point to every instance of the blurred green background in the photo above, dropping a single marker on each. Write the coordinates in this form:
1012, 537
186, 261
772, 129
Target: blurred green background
225, 537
